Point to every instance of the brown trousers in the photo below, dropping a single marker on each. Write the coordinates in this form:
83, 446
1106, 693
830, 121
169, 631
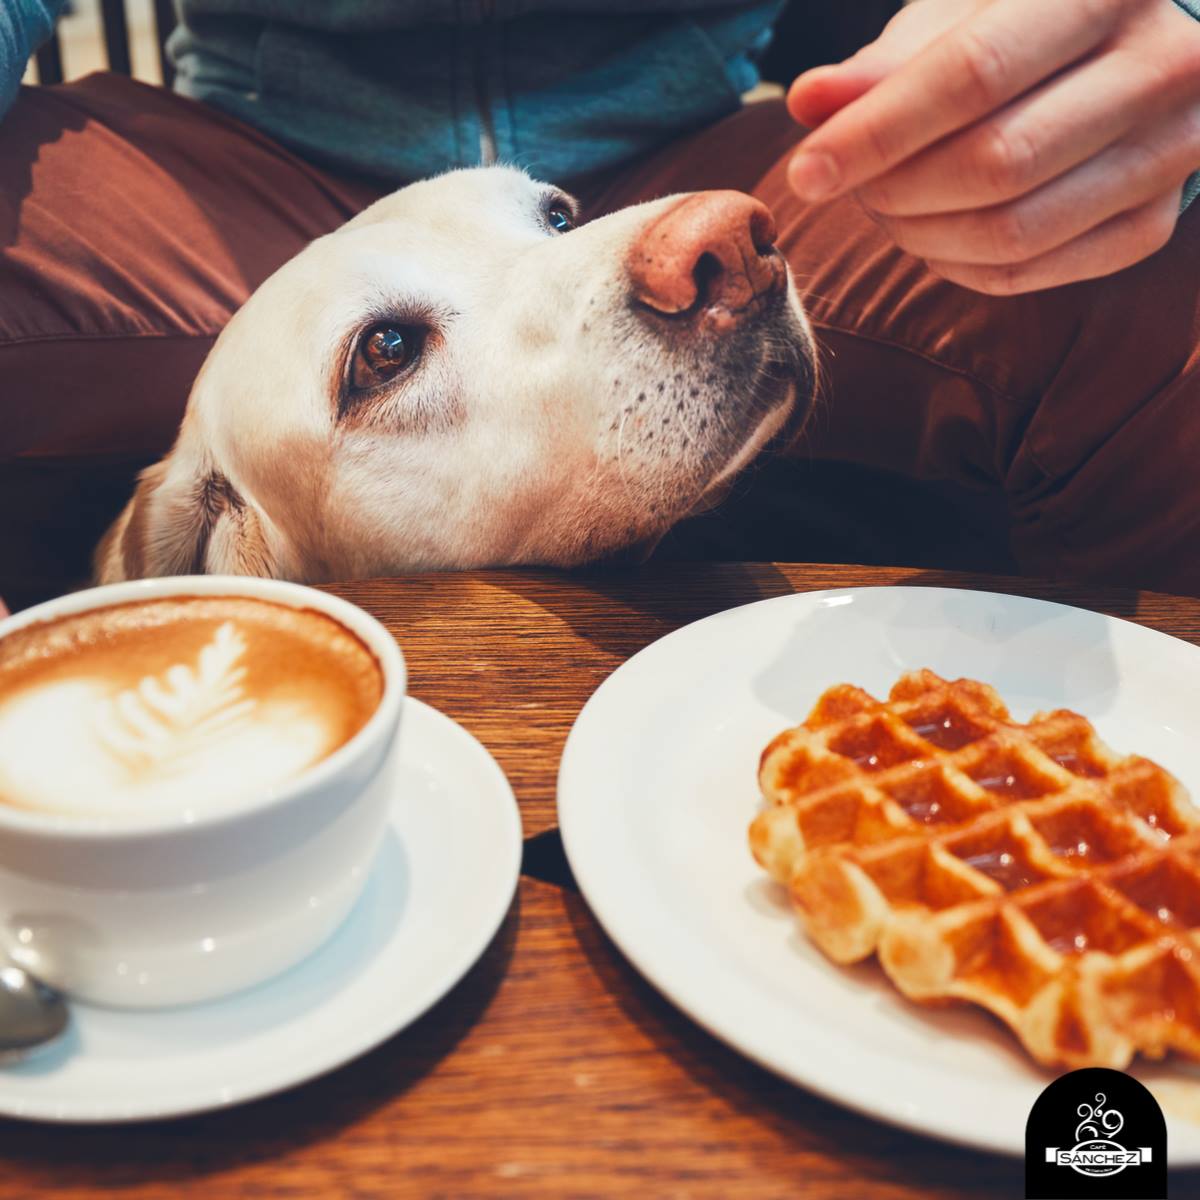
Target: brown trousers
1057, 433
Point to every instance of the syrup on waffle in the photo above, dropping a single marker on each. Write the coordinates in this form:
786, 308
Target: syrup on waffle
1026, 868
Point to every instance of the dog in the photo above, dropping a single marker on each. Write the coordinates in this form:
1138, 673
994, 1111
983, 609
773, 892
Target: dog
465, 375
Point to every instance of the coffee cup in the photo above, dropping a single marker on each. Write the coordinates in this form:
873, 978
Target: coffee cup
195, 776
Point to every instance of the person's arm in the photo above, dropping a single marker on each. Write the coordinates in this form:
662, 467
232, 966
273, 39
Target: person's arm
1013, 144
24, 26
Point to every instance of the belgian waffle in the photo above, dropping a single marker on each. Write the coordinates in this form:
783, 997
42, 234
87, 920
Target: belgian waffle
1026, 868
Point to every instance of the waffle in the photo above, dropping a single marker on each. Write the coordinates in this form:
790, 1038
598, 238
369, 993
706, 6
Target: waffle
1025, 868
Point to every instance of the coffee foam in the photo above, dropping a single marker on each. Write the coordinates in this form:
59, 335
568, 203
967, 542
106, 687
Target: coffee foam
181, 705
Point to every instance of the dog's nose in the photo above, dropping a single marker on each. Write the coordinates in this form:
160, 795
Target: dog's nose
710, 250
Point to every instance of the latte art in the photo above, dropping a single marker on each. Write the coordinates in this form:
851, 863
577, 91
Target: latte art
176, 705
166, 722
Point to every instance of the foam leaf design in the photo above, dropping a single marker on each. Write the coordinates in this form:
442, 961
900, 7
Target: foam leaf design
162, 723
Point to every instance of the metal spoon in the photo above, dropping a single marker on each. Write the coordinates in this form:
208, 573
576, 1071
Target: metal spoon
32, 1014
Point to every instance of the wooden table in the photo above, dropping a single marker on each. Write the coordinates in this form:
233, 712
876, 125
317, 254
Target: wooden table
552, 1069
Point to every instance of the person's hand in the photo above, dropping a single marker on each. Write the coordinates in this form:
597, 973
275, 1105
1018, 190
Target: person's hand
1012, 144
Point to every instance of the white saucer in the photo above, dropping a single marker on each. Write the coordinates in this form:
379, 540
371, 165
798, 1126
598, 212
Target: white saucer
659, 784
442, 884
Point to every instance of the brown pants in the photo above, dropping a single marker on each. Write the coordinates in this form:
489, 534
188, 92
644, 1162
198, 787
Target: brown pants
1058, 432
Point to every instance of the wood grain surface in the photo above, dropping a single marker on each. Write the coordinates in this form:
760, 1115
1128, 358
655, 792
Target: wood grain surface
513, 655
552, 1069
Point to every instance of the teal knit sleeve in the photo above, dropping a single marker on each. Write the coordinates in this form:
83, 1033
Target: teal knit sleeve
24, 26
1191, 189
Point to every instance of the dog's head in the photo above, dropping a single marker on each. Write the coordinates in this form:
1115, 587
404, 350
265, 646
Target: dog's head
462, 377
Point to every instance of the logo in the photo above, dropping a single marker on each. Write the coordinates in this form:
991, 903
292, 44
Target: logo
1096, 1152
1095, 1133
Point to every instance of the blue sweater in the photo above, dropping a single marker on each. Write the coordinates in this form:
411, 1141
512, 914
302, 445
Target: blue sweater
24, 26
399, 89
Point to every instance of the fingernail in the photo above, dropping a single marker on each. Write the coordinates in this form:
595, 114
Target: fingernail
813, 175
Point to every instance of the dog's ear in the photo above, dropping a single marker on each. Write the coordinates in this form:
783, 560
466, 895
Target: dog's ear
186, 518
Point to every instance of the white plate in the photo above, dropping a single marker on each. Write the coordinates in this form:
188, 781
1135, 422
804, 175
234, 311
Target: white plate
441, 885
657, 789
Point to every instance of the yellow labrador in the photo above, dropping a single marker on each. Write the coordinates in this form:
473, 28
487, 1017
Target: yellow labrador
459, 377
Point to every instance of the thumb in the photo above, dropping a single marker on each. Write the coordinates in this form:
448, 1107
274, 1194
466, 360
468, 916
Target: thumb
817, 94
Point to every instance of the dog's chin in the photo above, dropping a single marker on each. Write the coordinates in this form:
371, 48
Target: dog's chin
769, 415
784, 410
782, 423
784, 416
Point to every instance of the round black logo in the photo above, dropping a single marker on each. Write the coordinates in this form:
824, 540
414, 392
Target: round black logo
1095, 1133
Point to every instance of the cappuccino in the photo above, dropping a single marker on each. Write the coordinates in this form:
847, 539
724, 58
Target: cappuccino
184, 704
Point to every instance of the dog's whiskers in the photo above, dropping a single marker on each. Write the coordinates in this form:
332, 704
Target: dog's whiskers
629, 491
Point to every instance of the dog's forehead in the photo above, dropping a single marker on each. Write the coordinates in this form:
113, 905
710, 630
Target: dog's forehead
440, 243
434, 243
438, 239
463, 205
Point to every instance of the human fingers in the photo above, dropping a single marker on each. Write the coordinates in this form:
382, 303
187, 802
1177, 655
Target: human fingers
1062, 124
820, 92
1128, 85
1119, 242
968, 73
817, 94
1125, 176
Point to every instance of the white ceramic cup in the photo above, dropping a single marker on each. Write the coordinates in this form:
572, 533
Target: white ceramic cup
145, 912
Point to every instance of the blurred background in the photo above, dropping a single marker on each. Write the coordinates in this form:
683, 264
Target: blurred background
82, 40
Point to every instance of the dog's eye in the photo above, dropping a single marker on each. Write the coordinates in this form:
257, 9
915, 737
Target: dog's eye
560, 218
383, 352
